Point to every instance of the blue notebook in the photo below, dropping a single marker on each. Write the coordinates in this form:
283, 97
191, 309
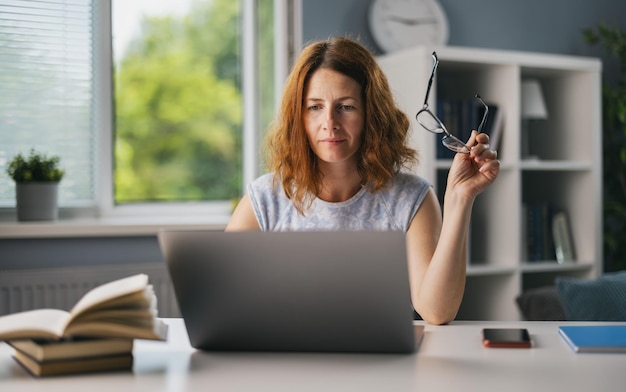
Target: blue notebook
595, 338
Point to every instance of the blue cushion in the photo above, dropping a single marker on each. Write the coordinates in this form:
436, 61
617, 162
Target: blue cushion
601, 299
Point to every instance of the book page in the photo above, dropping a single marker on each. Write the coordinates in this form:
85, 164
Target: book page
138, 308
156, 329
109, 291
138, 300
123, 316
39, 323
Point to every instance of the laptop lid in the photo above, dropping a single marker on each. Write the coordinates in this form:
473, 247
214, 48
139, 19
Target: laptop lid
292, 291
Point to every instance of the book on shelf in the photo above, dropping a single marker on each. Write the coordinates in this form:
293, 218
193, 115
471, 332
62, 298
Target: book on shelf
52, 350
595, 338
539, 236
446, 112
563, 241
124, 308
461, 116
119, 362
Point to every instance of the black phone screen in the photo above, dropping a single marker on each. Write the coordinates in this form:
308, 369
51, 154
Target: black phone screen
506, 337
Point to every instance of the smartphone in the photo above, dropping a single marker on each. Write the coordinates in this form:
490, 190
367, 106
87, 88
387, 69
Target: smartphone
506, 337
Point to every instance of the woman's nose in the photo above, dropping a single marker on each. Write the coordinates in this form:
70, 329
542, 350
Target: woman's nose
331, 121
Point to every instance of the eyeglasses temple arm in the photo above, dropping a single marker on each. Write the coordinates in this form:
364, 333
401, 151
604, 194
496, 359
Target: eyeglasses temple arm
432, 77
484, 120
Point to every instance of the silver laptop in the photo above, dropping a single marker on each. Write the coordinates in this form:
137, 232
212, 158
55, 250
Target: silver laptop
292, 291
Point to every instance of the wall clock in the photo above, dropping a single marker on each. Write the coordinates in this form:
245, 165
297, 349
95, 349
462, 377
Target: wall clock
400, 24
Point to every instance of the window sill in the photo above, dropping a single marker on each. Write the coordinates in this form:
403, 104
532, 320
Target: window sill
110, 227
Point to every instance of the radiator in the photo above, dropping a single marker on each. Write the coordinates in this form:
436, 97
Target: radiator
61, 288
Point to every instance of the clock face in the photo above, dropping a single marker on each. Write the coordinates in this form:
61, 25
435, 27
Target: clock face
400, 24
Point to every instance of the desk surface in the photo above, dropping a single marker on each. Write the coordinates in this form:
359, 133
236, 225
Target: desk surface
450, 357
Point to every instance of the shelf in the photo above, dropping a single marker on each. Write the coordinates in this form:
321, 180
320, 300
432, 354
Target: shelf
484, 270
562, 171
536, 164
553, 266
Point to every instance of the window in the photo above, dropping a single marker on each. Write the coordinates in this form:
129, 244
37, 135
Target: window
178, 99
175, 113
46, 91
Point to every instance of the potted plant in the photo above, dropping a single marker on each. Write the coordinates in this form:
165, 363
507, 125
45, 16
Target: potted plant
613, 39
36, 185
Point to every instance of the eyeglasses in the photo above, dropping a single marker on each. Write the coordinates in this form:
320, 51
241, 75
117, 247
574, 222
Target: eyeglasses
429, 121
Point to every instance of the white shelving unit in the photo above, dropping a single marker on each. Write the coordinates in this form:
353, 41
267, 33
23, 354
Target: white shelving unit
566, 170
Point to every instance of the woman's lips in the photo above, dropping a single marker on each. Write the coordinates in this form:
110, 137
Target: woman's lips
332, 141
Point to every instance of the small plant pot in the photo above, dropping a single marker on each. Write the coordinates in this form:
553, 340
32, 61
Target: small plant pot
37, 201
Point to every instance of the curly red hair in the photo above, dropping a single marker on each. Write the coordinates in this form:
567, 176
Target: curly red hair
384, 150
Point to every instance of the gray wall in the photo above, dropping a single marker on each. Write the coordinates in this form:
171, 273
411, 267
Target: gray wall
549, 26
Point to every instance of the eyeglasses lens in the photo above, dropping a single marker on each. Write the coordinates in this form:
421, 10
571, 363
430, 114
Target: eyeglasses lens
455, 144
429, 122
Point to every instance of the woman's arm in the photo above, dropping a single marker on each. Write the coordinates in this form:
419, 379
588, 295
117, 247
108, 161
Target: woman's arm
243, 217
436, 255
436, 247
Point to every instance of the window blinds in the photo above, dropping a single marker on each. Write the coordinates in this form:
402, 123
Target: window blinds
46, 91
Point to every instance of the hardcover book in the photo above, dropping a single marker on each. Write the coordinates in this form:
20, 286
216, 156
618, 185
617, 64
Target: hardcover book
75, 366
51, 350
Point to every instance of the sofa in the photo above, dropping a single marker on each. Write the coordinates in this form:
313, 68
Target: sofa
576, 299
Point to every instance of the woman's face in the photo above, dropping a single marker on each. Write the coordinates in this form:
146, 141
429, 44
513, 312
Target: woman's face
333, 116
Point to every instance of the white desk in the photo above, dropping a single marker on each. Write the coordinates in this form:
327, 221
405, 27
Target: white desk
450, 358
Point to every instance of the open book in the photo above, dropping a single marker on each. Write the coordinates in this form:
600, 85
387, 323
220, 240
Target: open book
124, 308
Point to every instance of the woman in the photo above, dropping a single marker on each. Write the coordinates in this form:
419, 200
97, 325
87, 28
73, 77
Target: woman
336, 151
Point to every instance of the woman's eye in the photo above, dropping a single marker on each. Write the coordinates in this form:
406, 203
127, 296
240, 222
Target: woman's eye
314, 107
346, 108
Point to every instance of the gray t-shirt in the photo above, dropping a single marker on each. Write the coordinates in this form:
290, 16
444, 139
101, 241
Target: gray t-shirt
389, 209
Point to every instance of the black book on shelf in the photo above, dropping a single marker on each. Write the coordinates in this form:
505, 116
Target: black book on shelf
547, 246
539, 237
473, 115
531, 232
461, 117
446, 112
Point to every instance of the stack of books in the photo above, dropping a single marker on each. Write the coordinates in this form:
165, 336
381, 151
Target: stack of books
43, 357
95, 335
